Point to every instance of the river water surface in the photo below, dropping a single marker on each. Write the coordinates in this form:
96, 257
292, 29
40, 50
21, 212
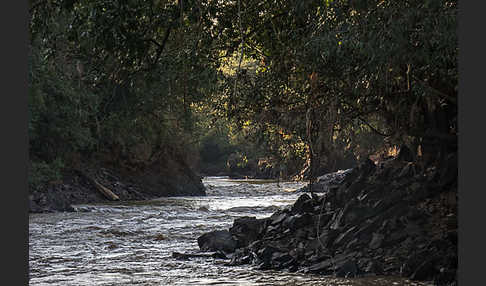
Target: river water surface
131, 243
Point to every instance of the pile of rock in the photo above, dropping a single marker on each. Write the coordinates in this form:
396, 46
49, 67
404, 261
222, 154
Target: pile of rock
395, 219
328, 181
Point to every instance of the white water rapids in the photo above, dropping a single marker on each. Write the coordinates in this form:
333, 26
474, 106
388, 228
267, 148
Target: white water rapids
131, 243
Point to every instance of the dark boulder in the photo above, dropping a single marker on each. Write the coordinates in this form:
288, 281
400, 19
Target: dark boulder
278, 217
328, 181
303, 204
218, 240
298, 221
247, 229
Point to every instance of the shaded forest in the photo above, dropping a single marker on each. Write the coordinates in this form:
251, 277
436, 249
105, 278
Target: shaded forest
133, 100
290, 89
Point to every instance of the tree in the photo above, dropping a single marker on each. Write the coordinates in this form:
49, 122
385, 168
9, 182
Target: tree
350, 70
117, 78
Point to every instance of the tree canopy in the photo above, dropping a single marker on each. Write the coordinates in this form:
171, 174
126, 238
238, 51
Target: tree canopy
289, 80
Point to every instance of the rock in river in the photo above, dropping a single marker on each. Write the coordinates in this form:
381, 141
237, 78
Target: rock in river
218, 240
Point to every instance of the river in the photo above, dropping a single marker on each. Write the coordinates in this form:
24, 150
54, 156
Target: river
131, 243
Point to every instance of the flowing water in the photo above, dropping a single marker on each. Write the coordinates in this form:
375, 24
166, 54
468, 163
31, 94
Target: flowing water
131, 243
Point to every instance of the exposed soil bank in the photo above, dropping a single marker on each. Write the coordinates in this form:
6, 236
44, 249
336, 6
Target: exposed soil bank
393, 219
168, 178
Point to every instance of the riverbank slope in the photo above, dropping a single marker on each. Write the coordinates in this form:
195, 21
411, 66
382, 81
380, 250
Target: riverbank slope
94, 183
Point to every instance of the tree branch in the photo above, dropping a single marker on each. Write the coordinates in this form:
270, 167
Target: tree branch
376, 130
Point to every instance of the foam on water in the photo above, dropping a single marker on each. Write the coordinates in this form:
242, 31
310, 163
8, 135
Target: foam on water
131, 243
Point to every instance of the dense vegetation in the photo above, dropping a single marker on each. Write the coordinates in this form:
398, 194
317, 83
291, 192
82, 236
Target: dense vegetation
239, 85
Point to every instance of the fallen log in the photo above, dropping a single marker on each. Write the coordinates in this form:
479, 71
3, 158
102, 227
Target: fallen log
105, 191
102, 189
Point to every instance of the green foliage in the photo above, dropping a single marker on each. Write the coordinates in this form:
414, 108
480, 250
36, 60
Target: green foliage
41, 173
117, 78
332, 78
364, 71
59, 112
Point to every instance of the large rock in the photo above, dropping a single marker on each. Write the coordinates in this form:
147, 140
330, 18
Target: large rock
298, 221
303, 204
218, 240
247, 229
331, 180
328, 181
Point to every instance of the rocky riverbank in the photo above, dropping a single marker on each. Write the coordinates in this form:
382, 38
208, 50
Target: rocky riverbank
94, 184
396, 218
